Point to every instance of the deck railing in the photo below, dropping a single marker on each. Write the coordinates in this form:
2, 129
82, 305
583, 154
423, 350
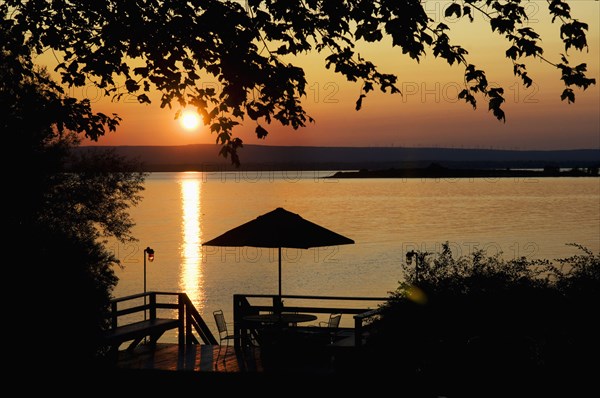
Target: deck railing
127, 326
126, 313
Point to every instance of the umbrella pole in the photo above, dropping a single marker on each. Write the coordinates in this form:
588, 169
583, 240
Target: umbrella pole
280, 276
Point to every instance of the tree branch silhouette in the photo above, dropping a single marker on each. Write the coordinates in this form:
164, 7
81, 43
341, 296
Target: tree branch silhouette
173, 47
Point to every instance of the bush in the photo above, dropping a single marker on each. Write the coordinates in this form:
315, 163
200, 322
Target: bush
486, 318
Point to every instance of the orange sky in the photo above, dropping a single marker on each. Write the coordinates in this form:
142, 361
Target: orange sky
428, 113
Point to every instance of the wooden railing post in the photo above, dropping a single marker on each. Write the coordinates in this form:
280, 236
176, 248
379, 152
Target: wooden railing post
237, 321
358, 330
240, 310
277, 304
152, 305
184, 335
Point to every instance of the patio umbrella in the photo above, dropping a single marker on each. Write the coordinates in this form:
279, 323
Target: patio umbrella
279, 228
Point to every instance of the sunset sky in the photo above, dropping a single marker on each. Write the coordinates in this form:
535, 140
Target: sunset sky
427, 114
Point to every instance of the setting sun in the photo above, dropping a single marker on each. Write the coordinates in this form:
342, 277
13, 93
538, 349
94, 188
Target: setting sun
189, 120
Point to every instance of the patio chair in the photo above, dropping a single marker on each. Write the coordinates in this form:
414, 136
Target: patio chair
224, 335
332, 324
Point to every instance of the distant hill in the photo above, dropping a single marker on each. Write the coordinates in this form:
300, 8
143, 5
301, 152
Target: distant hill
204, 157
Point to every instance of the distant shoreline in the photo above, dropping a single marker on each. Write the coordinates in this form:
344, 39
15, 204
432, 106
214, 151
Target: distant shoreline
204, 157
437, 171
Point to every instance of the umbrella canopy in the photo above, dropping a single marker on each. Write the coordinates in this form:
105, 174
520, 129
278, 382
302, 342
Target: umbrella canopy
279, 228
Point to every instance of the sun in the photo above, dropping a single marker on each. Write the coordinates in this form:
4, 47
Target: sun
189, 119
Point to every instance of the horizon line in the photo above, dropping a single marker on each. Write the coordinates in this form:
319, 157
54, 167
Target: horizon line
354, 147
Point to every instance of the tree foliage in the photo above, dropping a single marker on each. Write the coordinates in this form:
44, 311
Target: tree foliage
173, 46
463, 321
60, 208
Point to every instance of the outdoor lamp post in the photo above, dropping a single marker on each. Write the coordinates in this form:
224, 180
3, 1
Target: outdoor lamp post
148, 252
419, 258
409, 257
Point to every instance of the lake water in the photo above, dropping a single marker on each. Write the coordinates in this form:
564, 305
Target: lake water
385, 217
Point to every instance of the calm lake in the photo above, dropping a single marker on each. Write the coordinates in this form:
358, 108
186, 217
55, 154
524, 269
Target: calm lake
385, 217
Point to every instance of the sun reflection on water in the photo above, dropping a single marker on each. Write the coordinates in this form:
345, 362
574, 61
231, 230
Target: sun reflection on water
191, 279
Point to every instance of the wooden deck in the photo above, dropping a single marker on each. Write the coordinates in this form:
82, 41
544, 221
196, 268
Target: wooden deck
296, 359
212, 358
300, 370
169, 366
196, 358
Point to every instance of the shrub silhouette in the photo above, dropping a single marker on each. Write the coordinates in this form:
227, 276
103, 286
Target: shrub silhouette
489, 319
